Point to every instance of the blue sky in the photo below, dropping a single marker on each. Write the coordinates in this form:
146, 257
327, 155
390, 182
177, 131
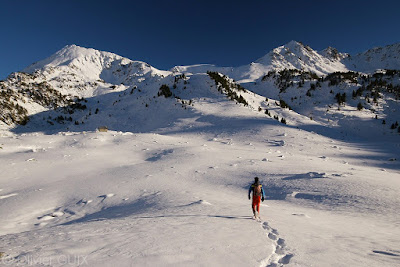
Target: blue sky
168, 33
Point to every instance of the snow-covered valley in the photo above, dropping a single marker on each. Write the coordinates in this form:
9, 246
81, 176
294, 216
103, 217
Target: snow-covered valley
167, 183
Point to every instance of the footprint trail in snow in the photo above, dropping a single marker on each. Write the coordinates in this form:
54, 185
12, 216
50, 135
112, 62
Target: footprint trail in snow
280, 255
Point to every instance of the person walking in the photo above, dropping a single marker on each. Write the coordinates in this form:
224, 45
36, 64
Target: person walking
258, 196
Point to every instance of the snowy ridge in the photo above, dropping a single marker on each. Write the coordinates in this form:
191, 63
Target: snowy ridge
85, 71
295, 55
333, 54
78, 72
387, 57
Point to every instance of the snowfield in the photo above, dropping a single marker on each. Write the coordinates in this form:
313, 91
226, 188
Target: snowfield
167, 184
181, 198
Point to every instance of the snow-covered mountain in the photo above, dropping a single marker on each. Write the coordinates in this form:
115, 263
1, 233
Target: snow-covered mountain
103, 81
167, 184
333, 54
387, 57
293, 55
77, 70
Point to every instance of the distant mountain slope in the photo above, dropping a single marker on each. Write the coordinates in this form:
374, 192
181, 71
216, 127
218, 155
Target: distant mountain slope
293, 55
86, 72
80, 86
387, 57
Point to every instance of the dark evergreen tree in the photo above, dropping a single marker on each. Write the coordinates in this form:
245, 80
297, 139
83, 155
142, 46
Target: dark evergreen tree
165, 91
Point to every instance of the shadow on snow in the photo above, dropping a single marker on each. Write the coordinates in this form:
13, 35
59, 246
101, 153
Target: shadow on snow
122, 111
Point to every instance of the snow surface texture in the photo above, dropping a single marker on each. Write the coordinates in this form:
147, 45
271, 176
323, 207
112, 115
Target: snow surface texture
167, 184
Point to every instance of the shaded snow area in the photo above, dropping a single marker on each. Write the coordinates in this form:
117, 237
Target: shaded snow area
180, 198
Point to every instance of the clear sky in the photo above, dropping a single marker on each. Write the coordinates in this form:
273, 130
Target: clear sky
168, 33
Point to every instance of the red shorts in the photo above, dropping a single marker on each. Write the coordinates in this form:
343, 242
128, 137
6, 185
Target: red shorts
256, 203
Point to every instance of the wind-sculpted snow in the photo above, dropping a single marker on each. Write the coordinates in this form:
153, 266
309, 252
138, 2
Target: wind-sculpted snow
179, 197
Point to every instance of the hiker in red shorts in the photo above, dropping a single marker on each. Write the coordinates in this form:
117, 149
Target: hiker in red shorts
258, 196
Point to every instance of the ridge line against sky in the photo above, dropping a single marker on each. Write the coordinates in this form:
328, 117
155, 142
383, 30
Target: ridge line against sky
169, 33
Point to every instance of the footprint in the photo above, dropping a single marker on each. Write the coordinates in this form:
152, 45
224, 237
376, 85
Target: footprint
279, 250
280, 256
272, 236
286, 259
266, 226
281, 242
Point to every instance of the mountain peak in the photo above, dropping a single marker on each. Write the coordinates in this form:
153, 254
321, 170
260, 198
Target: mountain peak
296, 55
74, 55
333, 54
73, 51
293, 43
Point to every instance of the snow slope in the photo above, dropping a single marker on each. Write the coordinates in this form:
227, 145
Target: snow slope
387, 57
86, 72
167, 184
293, 55
180, 197
296, 55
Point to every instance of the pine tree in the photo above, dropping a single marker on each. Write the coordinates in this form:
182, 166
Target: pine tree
165, 91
